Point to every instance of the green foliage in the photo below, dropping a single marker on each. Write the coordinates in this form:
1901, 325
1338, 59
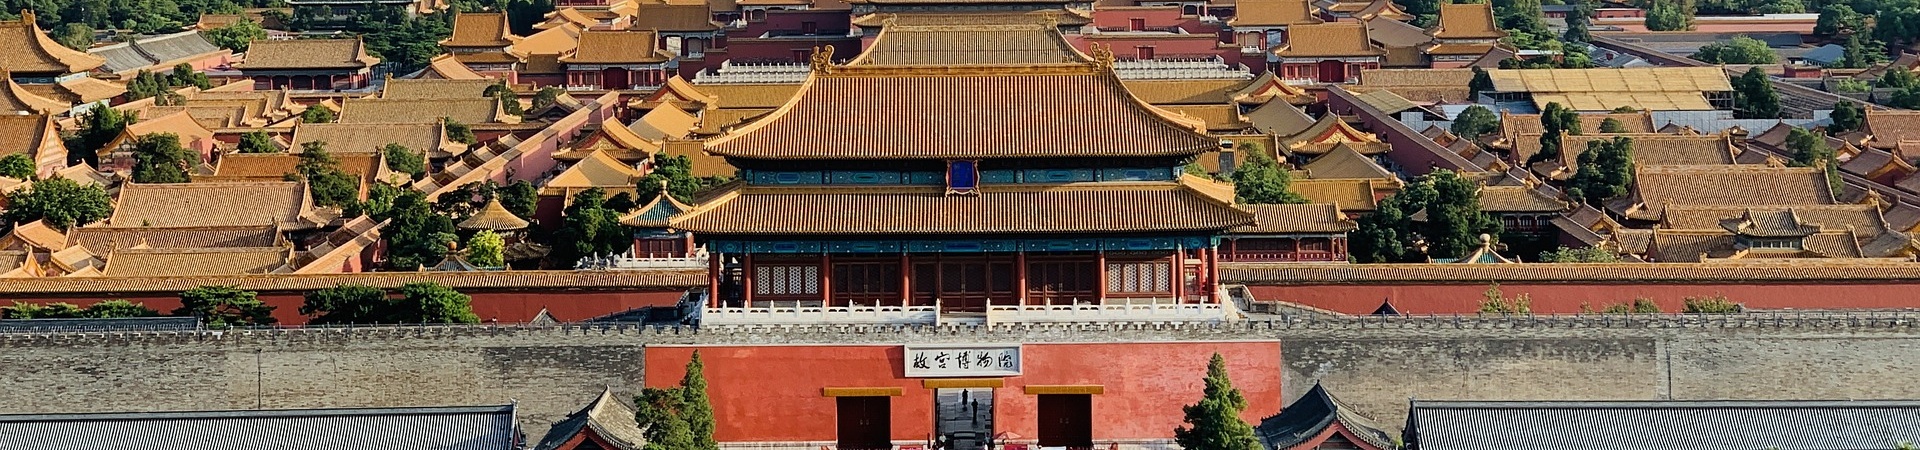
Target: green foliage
1851, 85
1669, 15
405, 160
677, 172
109, 309
59, 201
1475, 121
18, 166
1452, 229
520, 198
148, 84
1709, 305
101, 127
678, 418
1847, 116
330, 185
73, 35
460, 132
1639, 305
113, 309
1420, 7
1454, 220
1525, 24
1810, 150
1579, 255
1897, 77
319, 114
486, 249
588, 228
461, 202
1603, 171
416, 236
225, 306
1740, 50
1482, 82
1495, 302
1195, 170
1754, 97
621, 203
1857, 55
510, 102
1612, 125
238, 35
1625, 110
422, 302
1906, 98
546, 97
258, 142
523, 14
1838, 18
159, 158
410, 42
1215, 419
1262, 181
1557, 121
1578, 23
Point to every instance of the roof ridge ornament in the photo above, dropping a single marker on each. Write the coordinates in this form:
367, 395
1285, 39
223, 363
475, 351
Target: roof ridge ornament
1103, 56
822, 59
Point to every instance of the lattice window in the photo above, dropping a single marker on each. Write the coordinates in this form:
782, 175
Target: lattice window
786, 280
1144, 276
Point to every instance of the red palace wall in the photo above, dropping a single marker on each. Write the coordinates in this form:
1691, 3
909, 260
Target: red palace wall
502, 307
1566, 298
773, 393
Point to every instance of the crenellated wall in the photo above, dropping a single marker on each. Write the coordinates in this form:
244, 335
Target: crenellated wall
1373, 364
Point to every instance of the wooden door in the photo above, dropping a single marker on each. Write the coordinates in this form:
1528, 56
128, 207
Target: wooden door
1066, 420
1333, 71
865, 423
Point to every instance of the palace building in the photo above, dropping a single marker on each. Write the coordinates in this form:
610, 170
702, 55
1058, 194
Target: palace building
963, 186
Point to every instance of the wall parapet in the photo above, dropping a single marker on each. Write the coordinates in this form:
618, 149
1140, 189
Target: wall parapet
1278, 274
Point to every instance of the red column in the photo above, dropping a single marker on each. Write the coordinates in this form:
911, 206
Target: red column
1100, 283
826, 279
746, 280
906, 280
1179, 275
1213, 274
713, 280
1020, 273
690, 247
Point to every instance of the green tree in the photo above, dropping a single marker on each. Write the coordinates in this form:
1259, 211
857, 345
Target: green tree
56, 310
102, 126
660, 413
1496, 302
1557, 121
73, 35
225, 306
677, 172
1262, 181
115, 309
1475, 121
1851, 85
1856, 55
460, 132
346, 304
1669, 15
1754, 97
258, 142
621, 203
60, 202
416, 236
486, 249
1482, 82
405, 160
1639, 305
697, 409
159, 158
521, 198
330, 186
1454, 220
1847, 116
510, 102
318, 114
238, 35
1215, 420
428, 302
588, 228
1907, 98
1837, 19
1578, 255
1612, 125
546, 97
1810, 150
1897, 77
421, 302
1578, 23
18, 166
1604, 171
1740, 50
1712, 305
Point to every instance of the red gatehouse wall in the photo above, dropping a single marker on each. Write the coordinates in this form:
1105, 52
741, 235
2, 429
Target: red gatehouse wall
1566, 298
495, 307
773, 393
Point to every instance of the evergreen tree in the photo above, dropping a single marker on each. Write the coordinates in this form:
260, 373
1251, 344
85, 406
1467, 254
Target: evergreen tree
1612, 125
1482, 82
405, 160
318, 114
510, 102
429, 302
1454, 220
73, 35
225, 306
1388, 234
677, 172
1669, 15
1215, 420
588, 228
1856, 55
330, 185
1847, 116
18, 166
697, 409
1578, 255
346, 304
60, 202
102, 126
257, 142
1740, 50
621, 203
520, 198
238, 35
416, 236
1836, 19
486, 249
660, 414
1810, 150
1897, 77
1261, 181
114, 309
1557, 121
1604, 171
1754, 97
420, 302
1578, 23
159, 158
1475, 121
546, 97
459, 132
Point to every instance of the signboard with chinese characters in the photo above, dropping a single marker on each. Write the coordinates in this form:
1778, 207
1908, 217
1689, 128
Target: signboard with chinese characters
961, 361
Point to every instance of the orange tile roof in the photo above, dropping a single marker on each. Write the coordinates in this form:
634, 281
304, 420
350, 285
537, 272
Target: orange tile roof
1347, 39
213, 204
480, 29
467, 110
1634, 122
198, 261
617, 47
1888, 128
694, 17
108, 239
1256, 13
370, 137
19, 99
1064, 208
308, 54
1183, 92
1351, 194
1656, 187
31, 51
1466, 21
911, 113
446, 67
437, 89
1306, 218
464, 281
1009, 38
26, 133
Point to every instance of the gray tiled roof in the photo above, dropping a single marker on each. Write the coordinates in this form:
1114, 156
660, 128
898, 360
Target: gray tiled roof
1665, 425
433, 428
148, 51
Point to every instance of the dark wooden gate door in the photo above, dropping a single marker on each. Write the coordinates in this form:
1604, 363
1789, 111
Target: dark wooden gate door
865, 423
1066, 420
1333, 71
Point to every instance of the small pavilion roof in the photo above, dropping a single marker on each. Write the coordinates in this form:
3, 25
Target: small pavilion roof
1329, 132
32, 51
1301, 218
1279, 119
656, 214
480, 29
605, 417
1268, 87
1346, 162
1466, 21
598, 169
494, 217
1308, 420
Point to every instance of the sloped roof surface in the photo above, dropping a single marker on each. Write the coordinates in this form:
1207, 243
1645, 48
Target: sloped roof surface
439, 428
1678, 425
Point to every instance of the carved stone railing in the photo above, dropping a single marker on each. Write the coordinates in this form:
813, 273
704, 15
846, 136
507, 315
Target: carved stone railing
771, 315
1138, 312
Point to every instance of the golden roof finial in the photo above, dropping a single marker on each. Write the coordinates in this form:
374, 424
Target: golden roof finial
822, 58
1103, 56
